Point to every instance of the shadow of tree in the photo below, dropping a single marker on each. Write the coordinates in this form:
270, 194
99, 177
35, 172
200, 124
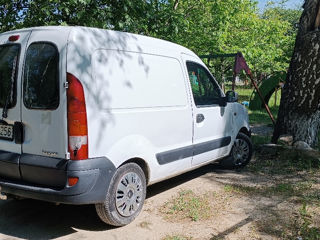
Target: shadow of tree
274, 188
31, 219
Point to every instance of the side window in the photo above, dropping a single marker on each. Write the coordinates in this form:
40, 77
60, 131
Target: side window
41, 77
205, 90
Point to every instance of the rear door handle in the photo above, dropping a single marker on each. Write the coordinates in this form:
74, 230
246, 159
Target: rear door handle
200, 118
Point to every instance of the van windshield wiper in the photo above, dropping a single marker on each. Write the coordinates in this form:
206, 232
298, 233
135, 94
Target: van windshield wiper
10, 94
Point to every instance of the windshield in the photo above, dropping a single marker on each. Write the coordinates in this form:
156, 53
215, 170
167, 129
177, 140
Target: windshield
8, 71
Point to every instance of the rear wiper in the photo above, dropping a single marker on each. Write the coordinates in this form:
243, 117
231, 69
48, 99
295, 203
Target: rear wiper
10, 94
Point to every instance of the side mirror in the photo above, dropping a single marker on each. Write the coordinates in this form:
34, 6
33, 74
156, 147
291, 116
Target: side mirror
222, 101
231, 96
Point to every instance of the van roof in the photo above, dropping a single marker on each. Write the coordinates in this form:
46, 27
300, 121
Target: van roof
102, 38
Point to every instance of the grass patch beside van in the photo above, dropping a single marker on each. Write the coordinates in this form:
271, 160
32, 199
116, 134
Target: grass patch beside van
176, 237
188, 205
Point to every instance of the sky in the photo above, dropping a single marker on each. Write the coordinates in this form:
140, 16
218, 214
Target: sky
289, 3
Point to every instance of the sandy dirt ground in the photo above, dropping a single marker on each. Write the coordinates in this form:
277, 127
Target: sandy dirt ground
233, 218
233, 215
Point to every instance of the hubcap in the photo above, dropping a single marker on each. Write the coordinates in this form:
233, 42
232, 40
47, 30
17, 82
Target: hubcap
240, 151
129, 194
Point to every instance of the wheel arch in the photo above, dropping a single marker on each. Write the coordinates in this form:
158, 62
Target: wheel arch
141, 163
245, 131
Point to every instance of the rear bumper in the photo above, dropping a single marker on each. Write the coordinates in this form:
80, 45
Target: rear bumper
94, 178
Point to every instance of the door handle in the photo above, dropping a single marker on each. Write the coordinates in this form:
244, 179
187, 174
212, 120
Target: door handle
200, 118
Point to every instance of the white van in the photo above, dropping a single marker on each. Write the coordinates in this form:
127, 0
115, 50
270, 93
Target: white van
91, 116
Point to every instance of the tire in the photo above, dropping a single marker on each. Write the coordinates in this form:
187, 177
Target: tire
125, 196
240, 154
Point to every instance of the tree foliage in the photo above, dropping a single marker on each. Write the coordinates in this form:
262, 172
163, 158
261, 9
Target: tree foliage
221, 26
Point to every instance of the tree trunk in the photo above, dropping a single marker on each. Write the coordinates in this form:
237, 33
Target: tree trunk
299, 112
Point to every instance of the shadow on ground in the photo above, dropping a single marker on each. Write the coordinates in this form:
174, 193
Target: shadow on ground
31, 219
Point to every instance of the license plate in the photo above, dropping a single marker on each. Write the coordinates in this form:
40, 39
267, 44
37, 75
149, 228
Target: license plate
6, 132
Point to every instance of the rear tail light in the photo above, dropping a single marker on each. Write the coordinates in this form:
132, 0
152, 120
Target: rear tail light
14, 38
77, 120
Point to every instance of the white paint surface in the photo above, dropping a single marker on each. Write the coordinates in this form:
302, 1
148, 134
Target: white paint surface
138, 99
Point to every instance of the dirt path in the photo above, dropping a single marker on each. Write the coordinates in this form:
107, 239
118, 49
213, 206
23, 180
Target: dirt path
31, 219
276, 197
234, 218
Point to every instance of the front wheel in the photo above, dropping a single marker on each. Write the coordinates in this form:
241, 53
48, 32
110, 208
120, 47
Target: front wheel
125, 196
240, 154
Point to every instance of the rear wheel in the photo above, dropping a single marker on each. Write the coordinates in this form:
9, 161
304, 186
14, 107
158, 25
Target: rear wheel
240, 154
125, 196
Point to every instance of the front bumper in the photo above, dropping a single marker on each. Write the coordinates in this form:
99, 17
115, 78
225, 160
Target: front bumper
94, 178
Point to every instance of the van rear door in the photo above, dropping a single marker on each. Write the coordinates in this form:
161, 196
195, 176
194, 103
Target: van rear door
12, 50
43, 107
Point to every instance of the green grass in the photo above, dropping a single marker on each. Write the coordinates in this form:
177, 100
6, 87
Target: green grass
296, 180
299, 223
258, 140
243, 93
260, 116
304, 225
188, 205
284, 160
303, 191
257, 116
283, 163
300, 220
176, 237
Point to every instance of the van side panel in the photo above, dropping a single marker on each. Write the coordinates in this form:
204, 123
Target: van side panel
126, 80
137, 106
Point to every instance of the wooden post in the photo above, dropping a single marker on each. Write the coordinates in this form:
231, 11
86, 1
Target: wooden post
234, 74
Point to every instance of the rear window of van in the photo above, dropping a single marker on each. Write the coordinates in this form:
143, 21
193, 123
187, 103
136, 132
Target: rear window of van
9, 58
41, 77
